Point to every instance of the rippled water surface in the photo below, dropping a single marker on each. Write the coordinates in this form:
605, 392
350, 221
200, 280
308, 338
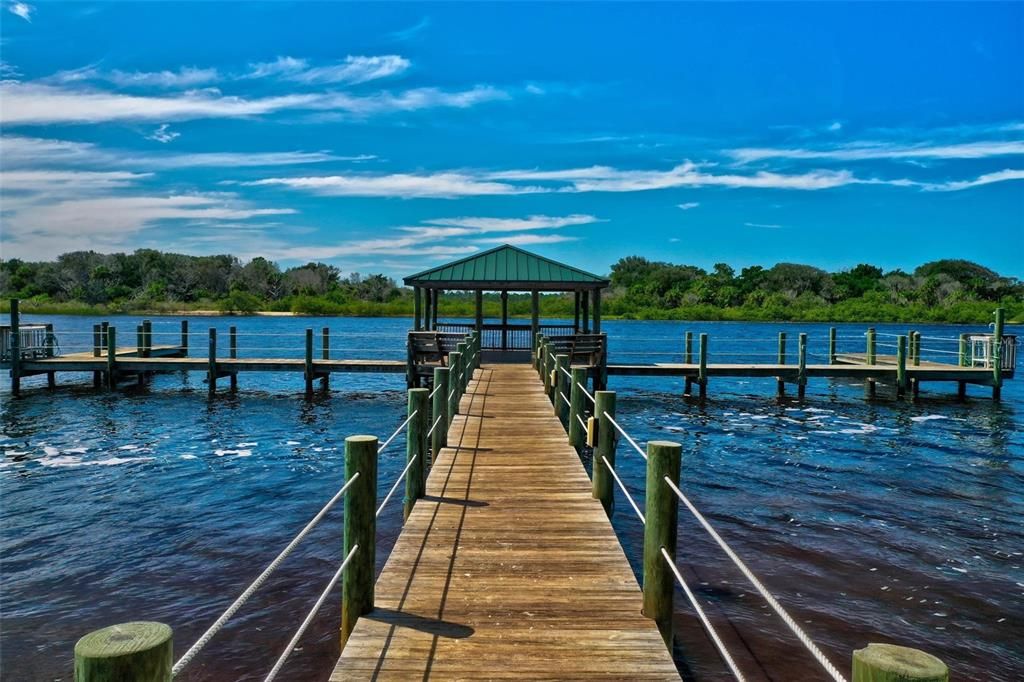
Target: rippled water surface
871, 521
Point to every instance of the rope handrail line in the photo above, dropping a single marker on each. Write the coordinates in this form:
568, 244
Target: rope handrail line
768, 597
586, 392
623, 432
397, 431
395, 486
622, 487
567, 402
566, 372
582, 423
434, 425
708, 627
194, 650
309, 617
451, 393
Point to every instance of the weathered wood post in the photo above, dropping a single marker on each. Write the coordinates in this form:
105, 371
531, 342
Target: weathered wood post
15, 348
463, 351
688, 360
538, 341
562, 389
439, 408
892, 663
961, 386
548, 365
870, 357
917, 349
577, 434
831, 345
535, 312
97, 351
184, 338
702, 371
416, 309
454, 362
416, 448
780, 388
604, 407
915, 383
308, 366
325, 352
103, 333
51, 377
360, 531
140, 349
661, 512
147, 337
111, 358
801, 374
997, 354
901, 364
478, 299
233, 354
138, 651
211, 371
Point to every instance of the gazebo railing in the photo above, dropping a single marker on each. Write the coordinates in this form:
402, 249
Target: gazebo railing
496, 336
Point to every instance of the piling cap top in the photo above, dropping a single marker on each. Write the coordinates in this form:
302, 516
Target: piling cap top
123, 639
360, 439
911, 664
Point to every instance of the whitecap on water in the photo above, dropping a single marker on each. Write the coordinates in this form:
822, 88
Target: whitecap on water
236, 453
928, 417
292, 442
246, 445
189, 457
72, 461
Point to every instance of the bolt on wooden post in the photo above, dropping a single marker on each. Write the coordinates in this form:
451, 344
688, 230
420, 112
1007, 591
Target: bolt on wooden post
604, 407
360, 530
576, 430
416, 449
439, 408
892, 663
137, 651
661, 514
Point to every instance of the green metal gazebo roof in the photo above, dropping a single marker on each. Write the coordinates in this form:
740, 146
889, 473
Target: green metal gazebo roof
506, 267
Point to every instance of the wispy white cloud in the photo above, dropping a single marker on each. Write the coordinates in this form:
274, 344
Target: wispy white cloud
526, 239
163, 134
412, 31
465, 226
46, 182
986, 179
8, 70
398, 246
36, 103
689, 205
22, 9
868, 151
185, 77
766, 226
352, 70
835, 127
438, 185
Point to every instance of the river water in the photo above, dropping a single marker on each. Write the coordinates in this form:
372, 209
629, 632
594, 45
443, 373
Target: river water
870, 521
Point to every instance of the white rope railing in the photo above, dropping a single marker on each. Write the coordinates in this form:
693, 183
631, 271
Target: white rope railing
622, 487
586, 392
708, 627
395, 486
397, 431
582, 423
260, 579
626, 436
562, 395
434, 425
768, 597
309, 617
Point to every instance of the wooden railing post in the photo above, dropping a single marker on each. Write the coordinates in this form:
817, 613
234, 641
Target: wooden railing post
997, 354
360, 529
308, 368
325, 352
961, 386
147, 337
547, 364
801, 376
140, 348
780, 387
211, 371
562, 389
870, 357
831, 345
15, 348
477, 348
661, 513
892, 663
138, 651
416, 447
233, 354
538, 342
111, 357
702, 371
439, 408
463, 352
577, 433
97, 351
51, 377
688, 360
454, 363
184, 338
901, 364
604, 406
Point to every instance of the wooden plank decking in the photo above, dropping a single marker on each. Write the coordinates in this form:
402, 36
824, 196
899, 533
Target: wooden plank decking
508, 569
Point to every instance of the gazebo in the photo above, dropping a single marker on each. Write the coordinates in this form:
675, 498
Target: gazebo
503, 269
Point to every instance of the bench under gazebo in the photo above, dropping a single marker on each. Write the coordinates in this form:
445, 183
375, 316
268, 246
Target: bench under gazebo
502, 270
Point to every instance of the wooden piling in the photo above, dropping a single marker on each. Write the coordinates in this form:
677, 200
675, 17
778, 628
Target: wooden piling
801, 375
997, 354
917, 349
211, 371
147, 338
138, 651
439, 408
97, 351
51, 377
454, 362
15, 348
538, 342
111, 357
892, 663
577, 434
869, 384
604, 407
416, 448
549, 363
325, 352
780, 385
831, 345
461, 368
901, 364
688, 360
702, 371
661, 512
308, 368
417, 310
561, 389
184, 338
233, 354
360, 529
140, 348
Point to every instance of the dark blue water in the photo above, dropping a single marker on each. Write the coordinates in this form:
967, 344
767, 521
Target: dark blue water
871, 521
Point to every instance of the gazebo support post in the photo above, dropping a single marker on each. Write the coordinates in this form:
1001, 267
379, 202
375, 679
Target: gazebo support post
416, 309
428, 301
480, 311
504, 319
576, 312
534, 314
597, 311
437, 298
586, 312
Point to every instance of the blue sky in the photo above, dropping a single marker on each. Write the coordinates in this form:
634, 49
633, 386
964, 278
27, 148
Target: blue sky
392, 137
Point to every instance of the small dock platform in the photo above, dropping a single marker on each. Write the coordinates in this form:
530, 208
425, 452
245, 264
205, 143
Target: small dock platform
481, 585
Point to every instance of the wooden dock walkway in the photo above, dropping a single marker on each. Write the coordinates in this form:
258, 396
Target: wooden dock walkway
508, 568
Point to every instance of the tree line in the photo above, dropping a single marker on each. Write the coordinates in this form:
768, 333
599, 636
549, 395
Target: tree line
153, 281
